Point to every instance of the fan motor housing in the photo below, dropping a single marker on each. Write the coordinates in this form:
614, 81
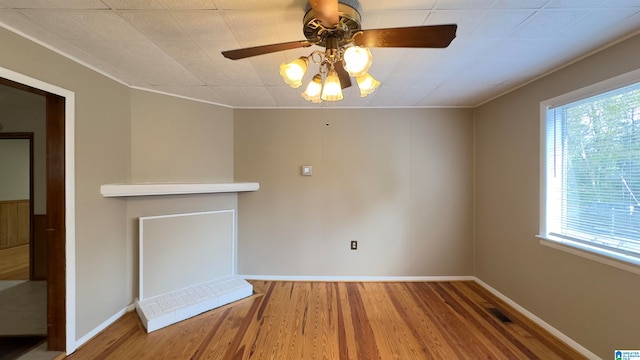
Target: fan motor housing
349, 24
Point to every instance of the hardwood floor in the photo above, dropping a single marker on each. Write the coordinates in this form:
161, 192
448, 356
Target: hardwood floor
14, 263
317, 320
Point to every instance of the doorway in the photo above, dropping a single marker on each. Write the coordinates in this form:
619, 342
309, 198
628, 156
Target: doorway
54, 230
17, 250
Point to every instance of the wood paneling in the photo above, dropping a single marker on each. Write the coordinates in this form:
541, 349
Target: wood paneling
14, 223
324, 320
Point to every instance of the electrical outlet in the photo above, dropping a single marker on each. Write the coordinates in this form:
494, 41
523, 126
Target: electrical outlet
354, 245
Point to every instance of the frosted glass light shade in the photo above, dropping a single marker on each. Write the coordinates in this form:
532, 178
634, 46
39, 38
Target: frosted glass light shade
367, 84
293, 72
357, 60
332, 91
312, 93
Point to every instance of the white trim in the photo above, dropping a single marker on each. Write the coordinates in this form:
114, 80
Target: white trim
180, 96
146, 189
555, 332
356, 278
103, 326
618, 261
70, 202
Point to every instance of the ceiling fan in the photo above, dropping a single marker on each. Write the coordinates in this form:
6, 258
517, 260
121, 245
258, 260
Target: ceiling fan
335, 25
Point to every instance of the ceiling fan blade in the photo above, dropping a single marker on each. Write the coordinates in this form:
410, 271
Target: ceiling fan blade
428, 36
264, 49
343, 75
326, 11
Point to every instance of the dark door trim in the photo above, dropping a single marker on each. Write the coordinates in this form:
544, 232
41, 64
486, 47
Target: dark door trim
56, 214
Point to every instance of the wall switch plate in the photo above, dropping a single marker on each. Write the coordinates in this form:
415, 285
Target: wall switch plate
354, 245
307, 170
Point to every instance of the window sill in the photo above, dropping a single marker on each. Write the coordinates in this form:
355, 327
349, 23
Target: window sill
618, 261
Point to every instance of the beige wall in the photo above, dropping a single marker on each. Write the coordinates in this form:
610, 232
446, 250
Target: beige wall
397, 181
101, 156
14, 163
594, 304
177, 140
123, 135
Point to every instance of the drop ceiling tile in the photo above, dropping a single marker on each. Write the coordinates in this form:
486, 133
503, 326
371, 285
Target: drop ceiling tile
286, 96
204, 26
231, 95
108, 51
14, 19
156, 25
253, 28
398, 5
259, 96
463, 4
597, 21
240, 73
564, 4
501, 23
208, 73
520, 4
185, 51
623, 3
62, 24
143, 51
549, 24
449, 96
261, 4
108, 25
190, 4
466, 20
135, 4
376, 19
53, 4
166, 74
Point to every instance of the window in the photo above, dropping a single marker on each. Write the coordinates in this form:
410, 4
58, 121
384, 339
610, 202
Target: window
591, 172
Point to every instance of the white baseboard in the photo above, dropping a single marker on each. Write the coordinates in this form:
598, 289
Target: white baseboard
356, 278
555, 332
102, 326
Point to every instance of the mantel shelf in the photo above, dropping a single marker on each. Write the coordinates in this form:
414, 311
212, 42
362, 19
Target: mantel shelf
147, 189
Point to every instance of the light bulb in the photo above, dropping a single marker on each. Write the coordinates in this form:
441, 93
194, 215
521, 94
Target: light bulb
367, 84
332, 91
312, 93
293, 72
357, 60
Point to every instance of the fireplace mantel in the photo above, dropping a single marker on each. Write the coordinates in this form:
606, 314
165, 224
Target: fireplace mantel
148, 189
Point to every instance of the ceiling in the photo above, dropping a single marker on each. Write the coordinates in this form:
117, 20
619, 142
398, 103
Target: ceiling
173, 46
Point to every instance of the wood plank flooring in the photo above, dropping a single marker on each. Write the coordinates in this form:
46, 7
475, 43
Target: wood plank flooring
14, 263
327, 320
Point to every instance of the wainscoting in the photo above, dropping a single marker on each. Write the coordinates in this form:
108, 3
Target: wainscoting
14, 223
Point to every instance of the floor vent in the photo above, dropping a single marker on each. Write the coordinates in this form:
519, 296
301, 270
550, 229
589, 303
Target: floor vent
497, 313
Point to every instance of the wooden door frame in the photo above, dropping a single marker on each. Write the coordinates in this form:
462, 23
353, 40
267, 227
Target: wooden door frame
26, 136
56, 212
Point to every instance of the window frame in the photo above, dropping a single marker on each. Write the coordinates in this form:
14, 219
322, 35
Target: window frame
621, 261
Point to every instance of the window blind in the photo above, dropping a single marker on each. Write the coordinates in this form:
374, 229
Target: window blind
593, 170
